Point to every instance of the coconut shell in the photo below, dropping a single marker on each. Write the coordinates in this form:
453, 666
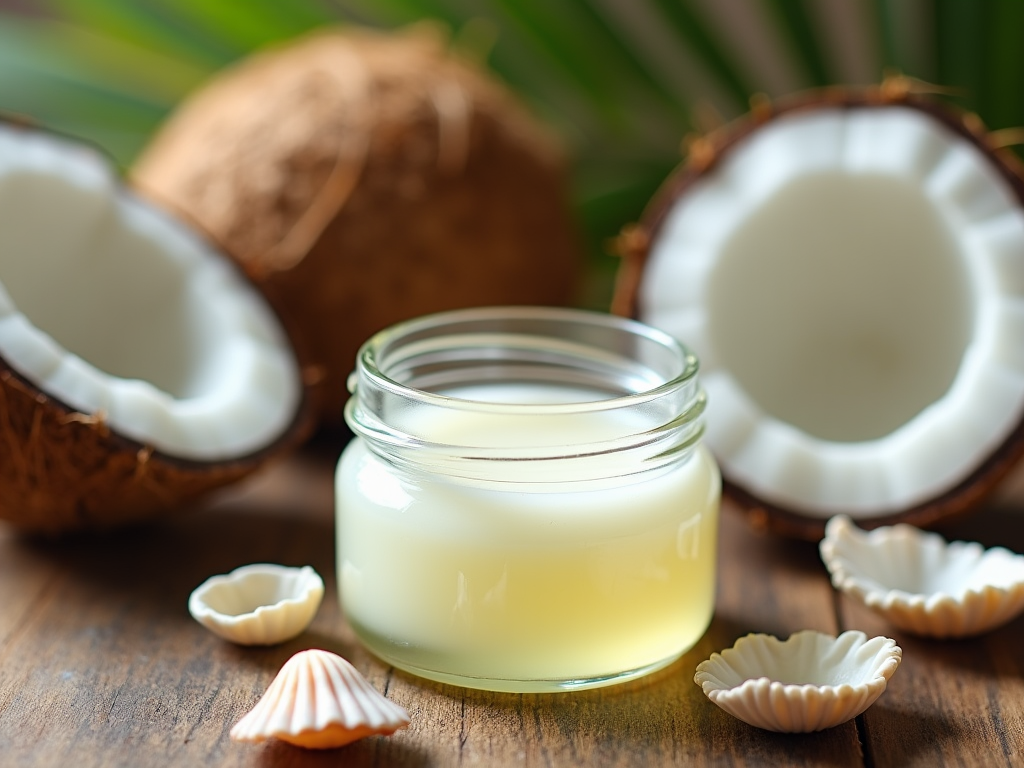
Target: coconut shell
704, 153
62, 470
362, 179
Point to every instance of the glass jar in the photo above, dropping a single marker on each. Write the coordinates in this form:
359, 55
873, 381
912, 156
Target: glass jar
526, 505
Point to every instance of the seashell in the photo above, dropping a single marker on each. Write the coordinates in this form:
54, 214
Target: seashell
922, 584
809, 682
260, 604
319, 701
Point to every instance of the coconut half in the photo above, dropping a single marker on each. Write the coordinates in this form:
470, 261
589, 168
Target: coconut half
849, 268
137, 367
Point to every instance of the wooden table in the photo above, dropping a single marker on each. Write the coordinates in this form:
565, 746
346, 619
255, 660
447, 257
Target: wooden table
100, 663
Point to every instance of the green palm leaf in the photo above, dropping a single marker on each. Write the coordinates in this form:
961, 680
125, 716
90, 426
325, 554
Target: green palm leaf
621, 93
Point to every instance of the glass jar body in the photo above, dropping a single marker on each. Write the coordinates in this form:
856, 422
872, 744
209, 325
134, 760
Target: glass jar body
526, 505
535, 591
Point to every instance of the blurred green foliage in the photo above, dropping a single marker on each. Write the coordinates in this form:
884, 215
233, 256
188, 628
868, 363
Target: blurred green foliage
622, 80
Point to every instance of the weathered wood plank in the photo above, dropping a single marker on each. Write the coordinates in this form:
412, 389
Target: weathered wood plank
767, 585
951, 702
109, 669
24, 580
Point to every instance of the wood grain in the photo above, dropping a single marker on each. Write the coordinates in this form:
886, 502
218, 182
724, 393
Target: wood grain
951, 703
101, 665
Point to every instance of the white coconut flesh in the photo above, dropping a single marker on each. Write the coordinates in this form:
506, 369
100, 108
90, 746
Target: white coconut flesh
853, 284
122, 313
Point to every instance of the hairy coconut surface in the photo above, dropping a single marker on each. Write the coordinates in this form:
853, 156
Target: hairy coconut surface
138, 367
364, 179
63, 470
862, 363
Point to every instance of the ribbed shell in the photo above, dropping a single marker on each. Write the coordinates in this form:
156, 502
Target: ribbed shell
809, 682
921, 583
319, 701
258, 604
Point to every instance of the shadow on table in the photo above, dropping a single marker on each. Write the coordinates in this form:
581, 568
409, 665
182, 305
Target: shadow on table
907, 737
994, 655
369, 752
162, 562
139, 579
1001, 525
767, 553
663, 718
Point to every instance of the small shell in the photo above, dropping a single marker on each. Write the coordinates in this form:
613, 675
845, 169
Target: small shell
259, 604
319, 701
807, 683
922, 584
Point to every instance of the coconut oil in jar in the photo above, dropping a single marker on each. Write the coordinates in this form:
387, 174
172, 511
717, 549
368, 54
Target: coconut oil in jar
526, 505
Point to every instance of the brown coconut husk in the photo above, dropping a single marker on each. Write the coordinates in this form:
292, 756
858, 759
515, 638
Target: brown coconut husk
63, 470
362, 179
704, 154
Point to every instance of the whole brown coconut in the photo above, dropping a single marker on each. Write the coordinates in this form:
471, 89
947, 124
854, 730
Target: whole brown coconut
363, 179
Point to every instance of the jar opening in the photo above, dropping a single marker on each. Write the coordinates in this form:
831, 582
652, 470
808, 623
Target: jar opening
525, 384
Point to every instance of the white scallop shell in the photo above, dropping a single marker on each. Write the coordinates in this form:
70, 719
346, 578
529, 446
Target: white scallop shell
319, 701
260, 604
809, 682
922, 584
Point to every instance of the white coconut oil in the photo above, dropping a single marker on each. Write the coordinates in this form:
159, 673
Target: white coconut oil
529, 531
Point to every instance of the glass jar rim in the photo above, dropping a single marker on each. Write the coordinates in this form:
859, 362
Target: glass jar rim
370, 352
651, 417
